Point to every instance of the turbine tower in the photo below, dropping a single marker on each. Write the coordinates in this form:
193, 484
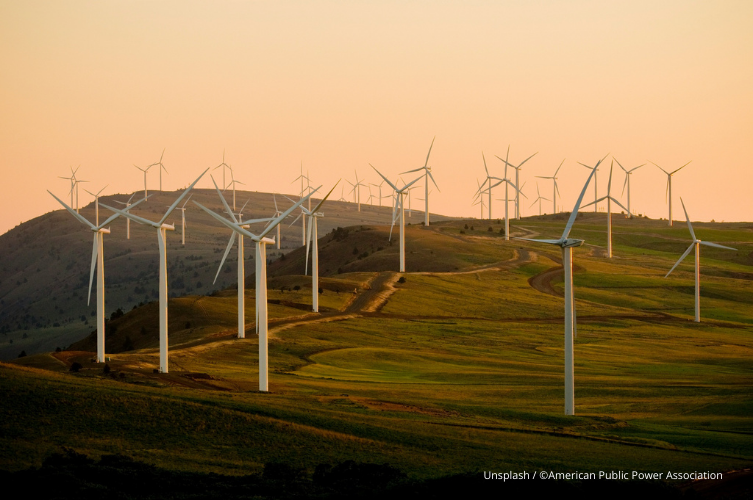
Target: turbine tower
609, 200
162, 227
399, 205
261, 276
98, 262
183, 222
427, 175
567, 244
233, 182
517, 178
669, 187
627, 182
509, 183
356, 190
378, 186
555, 190
277, 214
697, 246
161, 168
313, 242
303, 220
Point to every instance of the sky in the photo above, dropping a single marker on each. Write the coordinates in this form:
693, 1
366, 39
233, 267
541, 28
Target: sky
337, 85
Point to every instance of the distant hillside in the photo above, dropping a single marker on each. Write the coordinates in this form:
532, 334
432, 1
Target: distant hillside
44, 276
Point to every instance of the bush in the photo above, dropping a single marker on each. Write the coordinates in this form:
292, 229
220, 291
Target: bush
118, 313
296, 288
502, 230
401, 280
22, 355
106, 369
490, 229
76, 367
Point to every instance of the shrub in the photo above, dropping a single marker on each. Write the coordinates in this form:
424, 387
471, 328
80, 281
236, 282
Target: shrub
76, 367
490, 229
401, 280
296, 288
22, 355
106, 369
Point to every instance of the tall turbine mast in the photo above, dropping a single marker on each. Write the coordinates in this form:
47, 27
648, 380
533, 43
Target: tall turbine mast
517, 178
609, 199
555, 189
161, 168
427, 175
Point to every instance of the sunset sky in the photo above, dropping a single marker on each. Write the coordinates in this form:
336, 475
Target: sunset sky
339, 85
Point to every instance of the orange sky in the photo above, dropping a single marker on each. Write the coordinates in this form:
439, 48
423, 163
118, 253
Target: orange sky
337, 85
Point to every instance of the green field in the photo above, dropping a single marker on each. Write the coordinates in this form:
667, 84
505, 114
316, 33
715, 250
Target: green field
458, 369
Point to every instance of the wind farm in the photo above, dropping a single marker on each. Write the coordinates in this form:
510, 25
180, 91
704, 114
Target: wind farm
257, 335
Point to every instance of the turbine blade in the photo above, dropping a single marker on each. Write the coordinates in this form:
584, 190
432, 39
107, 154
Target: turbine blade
609, 184
224, 202
692, 234
180, 198
558, 168
432, 180
688, 163
129, 215
73, 212
551, 242
681, 259
308, 244
657, 166
522, 162
716, 245
227, 251
620, 205
383, 177
429, 153
620, 164
287, 212
316, 209
115, 216
411, 171
574, 214
231, 225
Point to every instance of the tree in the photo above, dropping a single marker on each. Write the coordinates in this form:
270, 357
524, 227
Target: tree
22, 355
76, 367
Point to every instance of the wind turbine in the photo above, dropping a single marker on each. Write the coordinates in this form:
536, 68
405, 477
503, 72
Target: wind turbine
277, 214
697, 245
98, 262
161, 168
627, 182
162, 227
567, 244
488, 181
128, 221
357, 190
596, 184
223, 165
313, 242
241, 259
609, 199
427, 174
669, 186
342, 197
233, 182
480, 200
261, 276
303, 220
145, 170
399, 205
539, 199
72, 178
378, 186
96, 204
555, 190
509, 183
517, 178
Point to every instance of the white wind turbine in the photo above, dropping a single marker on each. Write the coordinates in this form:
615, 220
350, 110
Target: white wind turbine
596, 184
627, 183
241, 259
488, 182
72, 178
277, 214
98, 262
669, 186
356, 191
224, 166
261, 276
128, 221
480, 200
378, 186
183, 222
555, 190
308, 186
313, 242
398, 211
342, 195
517, 179
509, 183
567, 244
161, 168
539, 198
162, 227
427, 175
609, 200
233, 182
697, 246
96, 204
145, 170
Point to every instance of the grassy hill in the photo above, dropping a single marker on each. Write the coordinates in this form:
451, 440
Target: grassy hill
456, 368
44, 276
